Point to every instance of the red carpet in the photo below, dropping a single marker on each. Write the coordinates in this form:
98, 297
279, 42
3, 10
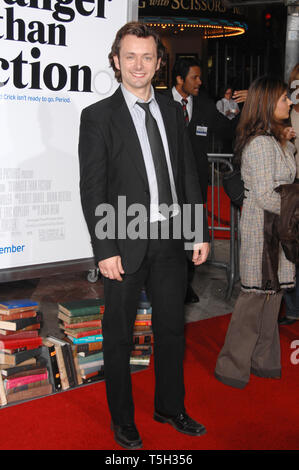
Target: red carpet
264, 415
224, 220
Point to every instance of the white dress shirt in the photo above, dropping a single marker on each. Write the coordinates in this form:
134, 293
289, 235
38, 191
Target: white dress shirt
224, 105
177, 97
138, 116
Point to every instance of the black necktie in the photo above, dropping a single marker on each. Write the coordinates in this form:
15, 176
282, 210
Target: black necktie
186, 116
159, 157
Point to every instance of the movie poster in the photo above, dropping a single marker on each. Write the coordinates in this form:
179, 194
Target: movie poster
53, 63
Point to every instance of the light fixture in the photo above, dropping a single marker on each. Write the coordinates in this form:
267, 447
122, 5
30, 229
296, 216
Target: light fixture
210, 28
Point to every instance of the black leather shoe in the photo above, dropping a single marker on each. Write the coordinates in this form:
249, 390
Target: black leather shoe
182, 423
127, 436
191, 296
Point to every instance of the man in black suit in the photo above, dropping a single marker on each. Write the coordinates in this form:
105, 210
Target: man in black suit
124, 159
201, 118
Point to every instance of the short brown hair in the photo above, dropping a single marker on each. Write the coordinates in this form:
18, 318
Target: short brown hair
257, 117
139, 30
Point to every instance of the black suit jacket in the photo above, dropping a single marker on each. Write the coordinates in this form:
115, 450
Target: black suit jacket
205, 114
112, 165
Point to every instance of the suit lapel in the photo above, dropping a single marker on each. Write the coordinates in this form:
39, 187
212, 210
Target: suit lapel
125, 129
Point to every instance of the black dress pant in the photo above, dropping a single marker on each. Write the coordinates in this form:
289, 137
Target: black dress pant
164, 274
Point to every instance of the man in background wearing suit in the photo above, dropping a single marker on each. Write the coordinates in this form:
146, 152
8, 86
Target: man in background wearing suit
201, 119
133, 145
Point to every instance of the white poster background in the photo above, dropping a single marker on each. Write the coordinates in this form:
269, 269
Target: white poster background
41, 219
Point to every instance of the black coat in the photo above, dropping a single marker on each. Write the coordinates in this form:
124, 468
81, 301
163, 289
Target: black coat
281, 229
112, 165
205, 114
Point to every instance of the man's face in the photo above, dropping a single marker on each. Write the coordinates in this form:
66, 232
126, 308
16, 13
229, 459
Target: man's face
228, 94
192, 82
137, 62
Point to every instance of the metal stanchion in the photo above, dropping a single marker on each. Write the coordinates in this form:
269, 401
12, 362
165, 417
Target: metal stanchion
232, 266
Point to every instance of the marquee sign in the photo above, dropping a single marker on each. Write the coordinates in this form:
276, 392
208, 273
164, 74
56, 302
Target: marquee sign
188, 8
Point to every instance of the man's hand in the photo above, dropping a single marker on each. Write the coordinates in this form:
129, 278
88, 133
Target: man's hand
112, 268
200, 253
240, 96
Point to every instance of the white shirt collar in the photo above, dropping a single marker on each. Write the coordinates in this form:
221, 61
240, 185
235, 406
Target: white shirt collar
178, 97
132, 99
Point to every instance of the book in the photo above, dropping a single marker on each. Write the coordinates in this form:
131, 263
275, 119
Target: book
142, 328
68, 360
16, 316
30, 393
13, 382
140, 352
143, 323
144, 311
82, 307
143, 338
17, 350
10, 343
86, 339
89, 370
13, 306
82, 332
91, 357
20, 334
3, 399
27, 386
69, 319
84, 324
60, 362
14, 370
140, 360
143, 316
143, 346
86, 348
70, 365
35, 326
144, 304
21, 356
48, 353
5, 368
91, 363
76, 364
38, 369
94, 376
143, 300
14, 325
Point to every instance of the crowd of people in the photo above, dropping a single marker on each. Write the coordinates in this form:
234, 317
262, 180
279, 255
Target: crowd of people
152, 148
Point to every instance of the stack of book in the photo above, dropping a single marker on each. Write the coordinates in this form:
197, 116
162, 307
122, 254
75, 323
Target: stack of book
24, 373
142, 335
64, 365
81, 322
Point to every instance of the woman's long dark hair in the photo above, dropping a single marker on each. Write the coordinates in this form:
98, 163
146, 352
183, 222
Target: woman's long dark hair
257, 117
